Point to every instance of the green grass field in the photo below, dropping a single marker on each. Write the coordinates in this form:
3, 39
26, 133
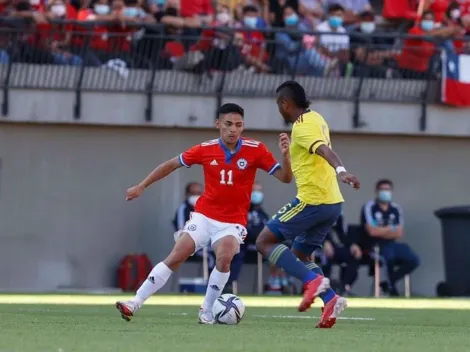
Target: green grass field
66, 323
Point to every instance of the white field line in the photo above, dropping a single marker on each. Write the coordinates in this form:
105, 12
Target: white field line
308, 317
249, 301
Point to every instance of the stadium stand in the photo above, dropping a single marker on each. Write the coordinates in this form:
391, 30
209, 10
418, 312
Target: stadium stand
338, 49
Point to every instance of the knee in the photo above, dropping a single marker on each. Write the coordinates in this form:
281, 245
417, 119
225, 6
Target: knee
223, 261
264, 242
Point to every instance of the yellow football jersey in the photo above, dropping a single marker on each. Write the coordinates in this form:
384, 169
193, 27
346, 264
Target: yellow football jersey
315, 179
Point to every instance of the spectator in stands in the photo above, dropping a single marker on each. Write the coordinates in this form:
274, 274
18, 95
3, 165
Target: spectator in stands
214, 50
341, 249
57, 37
419, 55
334, 46
298, 50
200, 9
438, 8
312, 12
383, 222
276, 11
252, 43
352, 9
372, 56
257, 218
464, 13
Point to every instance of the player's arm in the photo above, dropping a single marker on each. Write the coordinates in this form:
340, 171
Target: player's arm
284, 173
268, 163
190, 157
161, 171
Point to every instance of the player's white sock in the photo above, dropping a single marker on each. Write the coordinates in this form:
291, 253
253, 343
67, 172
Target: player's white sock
155, 281
217, 282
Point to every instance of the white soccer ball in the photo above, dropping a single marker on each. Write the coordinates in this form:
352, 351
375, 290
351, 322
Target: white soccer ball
228, 309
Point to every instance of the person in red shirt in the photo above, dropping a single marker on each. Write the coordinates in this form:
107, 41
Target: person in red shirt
221, 213
416, 55
197, 8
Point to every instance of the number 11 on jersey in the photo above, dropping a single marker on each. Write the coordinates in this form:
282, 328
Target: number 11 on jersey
226, 177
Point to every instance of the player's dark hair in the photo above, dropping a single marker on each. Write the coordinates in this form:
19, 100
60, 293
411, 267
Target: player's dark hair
383, 182
294, 91
231, 108
335, 7
249, 9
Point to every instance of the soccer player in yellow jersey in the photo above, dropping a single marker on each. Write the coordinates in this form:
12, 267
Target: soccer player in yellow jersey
309, 217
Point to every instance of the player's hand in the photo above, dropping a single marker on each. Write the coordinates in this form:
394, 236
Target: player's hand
328, 249
284, 143
350, 179
134, 192
356, 251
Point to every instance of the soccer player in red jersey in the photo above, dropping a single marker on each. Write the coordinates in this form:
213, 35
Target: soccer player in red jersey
229, 163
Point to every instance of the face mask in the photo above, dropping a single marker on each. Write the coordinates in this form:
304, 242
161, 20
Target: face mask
291, 20
130, 12
250, 22
223, 17
102, 9
192, 200
58, 10
335, 21
385, 196
455, 14
427, 25
257, 197
367, 27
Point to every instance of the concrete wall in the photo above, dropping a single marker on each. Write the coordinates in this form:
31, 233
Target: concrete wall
64, 221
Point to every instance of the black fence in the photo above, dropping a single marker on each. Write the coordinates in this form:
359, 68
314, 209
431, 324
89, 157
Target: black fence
78, 56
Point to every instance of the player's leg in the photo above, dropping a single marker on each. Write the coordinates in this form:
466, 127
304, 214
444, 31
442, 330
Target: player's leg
290, 220
188, 241
226, 244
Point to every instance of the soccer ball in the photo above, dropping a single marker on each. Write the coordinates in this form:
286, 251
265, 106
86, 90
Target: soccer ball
228, 309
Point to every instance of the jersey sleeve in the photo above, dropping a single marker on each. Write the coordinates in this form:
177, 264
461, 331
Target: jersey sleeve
399, 217
266, 160
310, 135
191, 156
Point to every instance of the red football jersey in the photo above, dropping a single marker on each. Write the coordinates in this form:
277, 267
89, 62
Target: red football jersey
228, 177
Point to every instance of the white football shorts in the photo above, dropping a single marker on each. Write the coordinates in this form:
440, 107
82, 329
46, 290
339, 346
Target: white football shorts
205, 231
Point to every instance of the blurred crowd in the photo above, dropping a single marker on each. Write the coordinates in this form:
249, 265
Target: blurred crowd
308, 37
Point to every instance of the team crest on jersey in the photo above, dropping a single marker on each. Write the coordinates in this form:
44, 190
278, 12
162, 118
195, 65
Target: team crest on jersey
242, 164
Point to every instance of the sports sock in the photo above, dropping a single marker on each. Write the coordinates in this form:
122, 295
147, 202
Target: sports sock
329, 294
216, 284
155, 281
283, 258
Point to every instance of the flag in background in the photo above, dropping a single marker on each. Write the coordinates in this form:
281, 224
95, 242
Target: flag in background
456, 79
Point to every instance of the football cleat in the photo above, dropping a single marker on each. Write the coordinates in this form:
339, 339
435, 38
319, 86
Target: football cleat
331, 311
206, 317
312, 290
127, 309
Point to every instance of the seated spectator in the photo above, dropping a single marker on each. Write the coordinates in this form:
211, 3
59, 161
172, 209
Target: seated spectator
334, 46
312, 12
383, 222
56, 37
257, 218
371, 55
200, 9
252, 43
438, 8
465, 13
339, 248
276, 11
301, 56
352, 9
415, 60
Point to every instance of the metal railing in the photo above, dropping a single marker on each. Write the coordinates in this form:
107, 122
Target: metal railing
384, 67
